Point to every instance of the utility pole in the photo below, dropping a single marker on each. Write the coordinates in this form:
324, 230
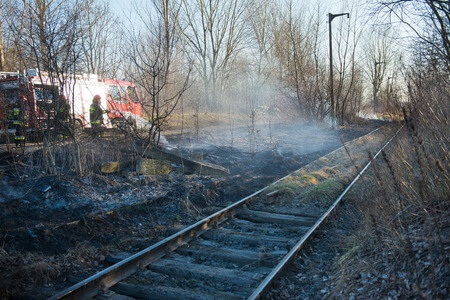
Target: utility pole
375, 104
2, 49
333, 111
389, 85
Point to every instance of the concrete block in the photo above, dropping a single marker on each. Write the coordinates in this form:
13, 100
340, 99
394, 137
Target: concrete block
110, 167
154, 167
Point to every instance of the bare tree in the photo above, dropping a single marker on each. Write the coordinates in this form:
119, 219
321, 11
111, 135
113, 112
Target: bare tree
301, 64
49, 33
260, 17
255, 87
213, 30
320, 85
101, 42
156, 64
380, 53
301, 68
48, 38
10, 55
429, 20
349, 81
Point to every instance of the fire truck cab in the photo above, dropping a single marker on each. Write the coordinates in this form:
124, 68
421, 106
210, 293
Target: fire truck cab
123, 101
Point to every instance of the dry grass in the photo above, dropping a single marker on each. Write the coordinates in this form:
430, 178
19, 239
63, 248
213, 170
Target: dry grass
23, 270
83, 158
404, 233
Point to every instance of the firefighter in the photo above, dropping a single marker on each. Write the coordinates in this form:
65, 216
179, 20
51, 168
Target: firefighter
18, 122
62, 114
96, 115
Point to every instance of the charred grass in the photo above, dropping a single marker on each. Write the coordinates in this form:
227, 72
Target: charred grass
24, 269
72, 228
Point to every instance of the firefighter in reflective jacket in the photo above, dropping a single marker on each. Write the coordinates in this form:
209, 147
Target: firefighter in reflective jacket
19, 124
96, 115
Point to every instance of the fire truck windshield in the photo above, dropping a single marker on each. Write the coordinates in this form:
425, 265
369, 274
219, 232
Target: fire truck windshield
114, 93
131, 90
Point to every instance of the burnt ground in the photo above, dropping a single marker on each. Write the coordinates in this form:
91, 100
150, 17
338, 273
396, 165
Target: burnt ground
54, 227
258, 156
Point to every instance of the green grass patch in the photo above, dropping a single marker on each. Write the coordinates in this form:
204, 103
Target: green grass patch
293, 184
316, 185
286, 187
324, 173
324, 192
309, 179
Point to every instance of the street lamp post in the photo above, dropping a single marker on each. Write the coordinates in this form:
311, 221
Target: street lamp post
375, 104
333, 111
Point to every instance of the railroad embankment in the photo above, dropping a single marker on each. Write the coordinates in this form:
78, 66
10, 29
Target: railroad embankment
390, 237
314, 187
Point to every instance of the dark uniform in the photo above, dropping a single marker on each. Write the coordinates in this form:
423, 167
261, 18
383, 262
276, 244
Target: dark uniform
19, 124
62, 116
96, 115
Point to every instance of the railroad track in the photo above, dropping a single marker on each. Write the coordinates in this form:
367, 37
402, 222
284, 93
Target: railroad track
235, 253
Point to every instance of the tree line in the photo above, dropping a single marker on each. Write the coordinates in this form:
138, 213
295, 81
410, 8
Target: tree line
253, 56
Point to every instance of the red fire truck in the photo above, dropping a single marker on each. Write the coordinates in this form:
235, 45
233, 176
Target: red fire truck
36, 97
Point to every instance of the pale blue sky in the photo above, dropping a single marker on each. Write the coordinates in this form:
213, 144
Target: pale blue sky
124, 10
121, 7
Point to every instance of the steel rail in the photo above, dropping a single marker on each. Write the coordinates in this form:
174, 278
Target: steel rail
108, 277
272, 276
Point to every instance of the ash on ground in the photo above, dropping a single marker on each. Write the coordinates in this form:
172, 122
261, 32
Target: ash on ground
49, 222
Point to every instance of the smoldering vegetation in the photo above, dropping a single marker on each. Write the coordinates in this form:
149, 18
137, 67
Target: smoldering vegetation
258, 62
254, 58
265, 148
280, 138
